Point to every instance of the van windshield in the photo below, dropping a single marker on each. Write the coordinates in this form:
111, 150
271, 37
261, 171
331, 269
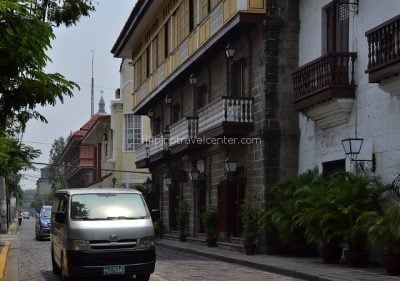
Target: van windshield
107, 206
45, 212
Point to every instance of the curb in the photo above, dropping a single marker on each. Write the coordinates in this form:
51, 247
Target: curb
3, 260
259, 266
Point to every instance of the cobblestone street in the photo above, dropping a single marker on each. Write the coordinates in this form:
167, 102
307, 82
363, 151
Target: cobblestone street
34, 263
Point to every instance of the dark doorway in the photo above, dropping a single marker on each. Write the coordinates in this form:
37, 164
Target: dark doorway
230, 197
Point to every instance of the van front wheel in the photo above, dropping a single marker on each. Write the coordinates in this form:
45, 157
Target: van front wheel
142, 277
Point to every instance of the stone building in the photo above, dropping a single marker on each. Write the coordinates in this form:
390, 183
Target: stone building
43, 184
215, 79
347, 87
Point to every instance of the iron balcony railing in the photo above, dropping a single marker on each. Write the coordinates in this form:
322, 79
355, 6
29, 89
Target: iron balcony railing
329, 71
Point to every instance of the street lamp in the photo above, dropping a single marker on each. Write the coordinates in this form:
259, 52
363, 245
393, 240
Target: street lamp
148, 184
150, 113
166, 135
229, 51
194, 174
231, 164
114, 180
193, 79
168, 99
352, 147
167, 178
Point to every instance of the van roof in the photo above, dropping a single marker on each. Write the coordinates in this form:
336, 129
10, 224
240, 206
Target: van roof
73, 191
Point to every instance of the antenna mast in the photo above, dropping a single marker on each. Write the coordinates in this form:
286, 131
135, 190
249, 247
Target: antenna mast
92, 90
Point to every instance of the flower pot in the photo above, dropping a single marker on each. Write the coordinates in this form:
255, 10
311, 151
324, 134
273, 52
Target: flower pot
182, 237
331, 254
356, 258
392, 265
250, 249
211, 242
298, 249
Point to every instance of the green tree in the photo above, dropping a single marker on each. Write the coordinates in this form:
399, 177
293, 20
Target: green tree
56, 171
26, 31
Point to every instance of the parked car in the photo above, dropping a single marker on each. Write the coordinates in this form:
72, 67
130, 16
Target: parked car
43, 223
25, 215
102, 232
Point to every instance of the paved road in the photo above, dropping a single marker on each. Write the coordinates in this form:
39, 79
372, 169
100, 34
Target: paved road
29, 260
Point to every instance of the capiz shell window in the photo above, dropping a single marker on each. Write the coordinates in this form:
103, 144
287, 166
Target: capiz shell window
107, 206
133, 131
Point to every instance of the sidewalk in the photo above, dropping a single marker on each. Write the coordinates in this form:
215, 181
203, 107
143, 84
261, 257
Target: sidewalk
5, 241
308, 268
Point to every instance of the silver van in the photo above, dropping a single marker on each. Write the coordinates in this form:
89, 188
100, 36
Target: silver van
102, 232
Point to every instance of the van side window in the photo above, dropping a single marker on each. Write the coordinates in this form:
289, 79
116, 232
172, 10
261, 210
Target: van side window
63, 204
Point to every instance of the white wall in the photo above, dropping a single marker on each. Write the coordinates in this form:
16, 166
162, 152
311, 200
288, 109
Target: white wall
378, 112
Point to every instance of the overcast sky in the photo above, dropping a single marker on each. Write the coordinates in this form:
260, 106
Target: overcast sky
71, 56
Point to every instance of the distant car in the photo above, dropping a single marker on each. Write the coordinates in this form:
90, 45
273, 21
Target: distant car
43, 223
25, 215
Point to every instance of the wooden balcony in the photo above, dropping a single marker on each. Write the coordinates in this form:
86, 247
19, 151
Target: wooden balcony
229, 116
330, 76
384, 50
222, 20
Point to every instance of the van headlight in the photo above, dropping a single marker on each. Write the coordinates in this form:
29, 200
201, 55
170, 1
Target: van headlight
146, 242
77, 245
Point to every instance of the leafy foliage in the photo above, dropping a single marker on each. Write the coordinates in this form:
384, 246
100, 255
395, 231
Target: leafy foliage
384, 228
283, 204
209, 217
66, 12
250, 216
25, 38
56, 172
183, 216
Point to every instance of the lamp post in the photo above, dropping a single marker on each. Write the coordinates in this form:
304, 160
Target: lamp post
168, 99
148, 184
167, 178
193, 79
229, 51
352, 148
166, 135
194, 177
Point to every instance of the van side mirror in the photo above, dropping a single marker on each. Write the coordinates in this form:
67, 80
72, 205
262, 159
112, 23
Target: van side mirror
155, 214
60, 217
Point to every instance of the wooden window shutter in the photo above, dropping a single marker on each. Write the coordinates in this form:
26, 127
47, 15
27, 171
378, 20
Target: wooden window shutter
213, 3
185, 16
203, 9
160, 47
222, 208
154, 55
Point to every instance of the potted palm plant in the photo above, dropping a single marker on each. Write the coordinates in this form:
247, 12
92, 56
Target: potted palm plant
318, 217
250, 216
183, 219
384, 228
209, 217
283, 204
354, 195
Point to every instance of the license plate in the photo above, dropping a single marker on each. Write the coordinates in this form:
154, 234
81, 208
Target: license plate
114, 270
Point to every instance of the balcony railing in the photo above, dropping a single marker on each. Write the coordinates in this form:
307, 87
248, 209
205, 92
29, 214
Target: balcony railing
219, 17
384, 50
331, 75
182, 130
227, 109
141, 151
